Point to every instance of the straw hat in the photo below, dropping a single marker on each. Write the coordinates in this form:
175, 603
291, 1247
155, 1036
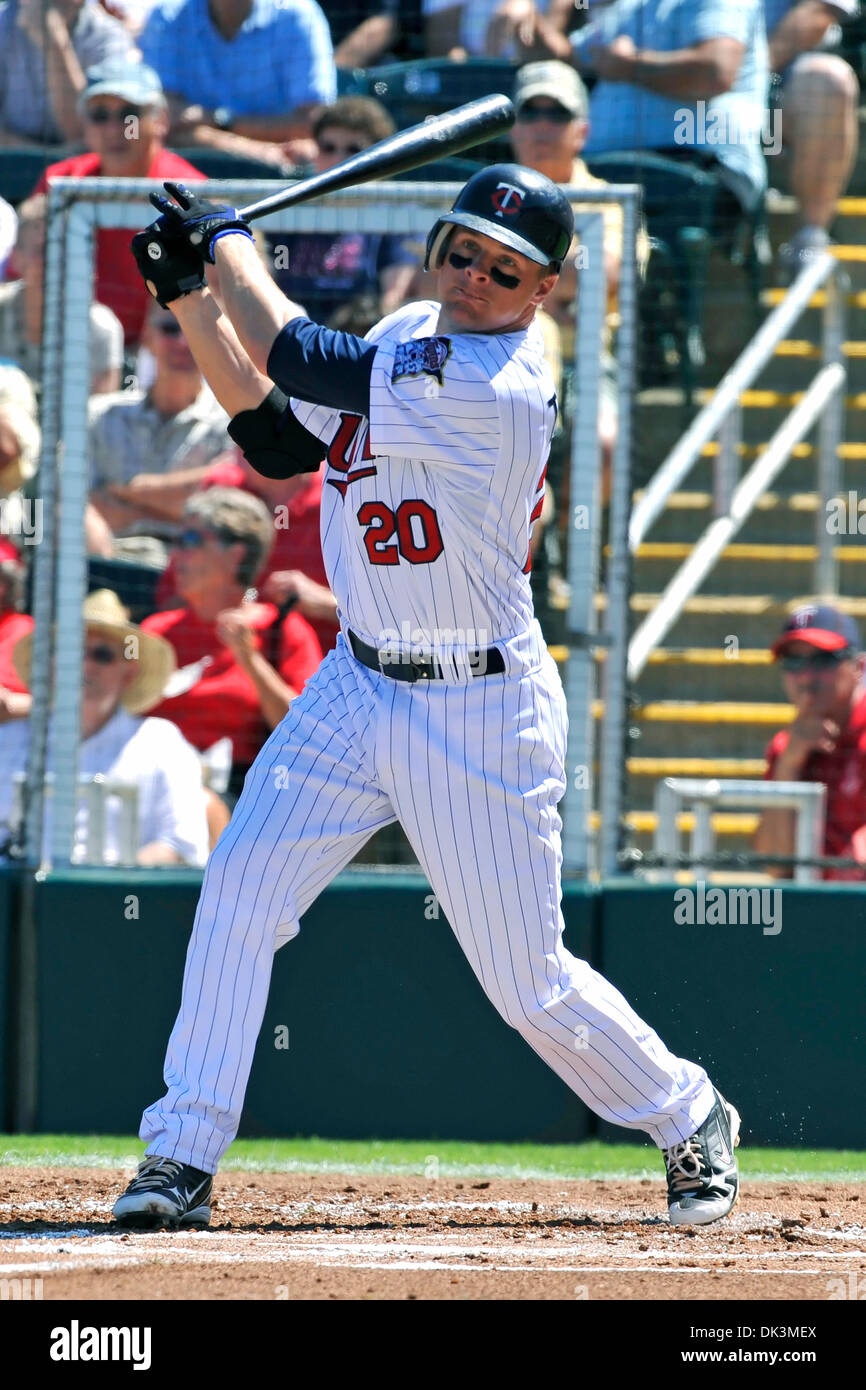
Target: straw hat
103, 612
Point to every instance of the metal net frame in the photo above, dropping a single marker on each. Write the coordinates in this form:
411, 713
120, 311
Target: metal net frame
77, 209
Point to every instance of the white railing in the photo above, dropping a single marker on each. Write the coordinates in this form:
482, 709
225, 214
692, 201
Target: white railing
823, 400
674, 795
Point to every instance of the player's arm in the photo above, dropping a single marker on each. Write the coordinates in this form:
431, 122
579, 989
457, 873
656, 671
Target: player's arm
304, 359
274, 442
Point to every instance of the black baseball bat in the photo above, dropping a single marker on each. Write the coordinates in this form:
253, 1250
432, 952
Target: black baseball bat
436, 138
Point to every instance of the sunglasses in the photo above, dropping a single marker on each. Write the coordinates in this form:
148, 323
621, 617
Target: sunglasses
169, 328
328, 147
556, 114
508, 282
815, 661
101, 654
103, 115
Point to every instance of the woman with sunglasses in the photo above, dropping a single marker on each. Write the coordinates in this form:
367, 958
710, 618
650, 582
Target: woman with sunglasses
240, 662
322, 270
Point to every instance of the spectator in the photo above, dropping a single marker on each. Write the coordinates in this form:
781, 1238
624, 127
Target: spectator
124, 673
46, 46
21, 309
15, 699
322, 270
137, 437
295, 569
552, 109
241, 662
687, 78
19, 440
493, 28
822, 672
819, 98
125, 125
242, 75
362, 30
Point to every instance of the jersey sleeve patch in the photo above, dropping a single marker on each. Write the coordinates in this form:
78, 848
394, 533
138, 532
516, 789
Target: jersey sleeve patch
421, 357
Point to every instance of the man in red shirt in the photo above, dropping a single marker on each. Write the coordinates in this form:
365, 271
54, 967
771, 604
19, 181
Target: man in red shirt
822, 670
125, 124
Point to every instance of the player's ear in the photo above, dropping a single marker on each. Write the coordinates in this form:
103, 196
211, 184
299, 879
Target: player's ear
545, 285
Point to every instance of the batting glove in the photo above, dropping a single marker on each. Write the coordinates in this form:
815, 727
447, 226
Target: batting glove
200, 221
169, 267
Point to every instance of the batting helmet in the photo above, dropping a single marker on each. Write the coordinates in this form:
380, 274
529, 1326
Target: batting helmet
514, 205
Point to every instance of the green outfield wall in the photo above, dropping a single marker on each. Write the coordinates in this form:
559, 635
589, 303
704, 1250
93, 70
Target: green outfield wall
377, 1028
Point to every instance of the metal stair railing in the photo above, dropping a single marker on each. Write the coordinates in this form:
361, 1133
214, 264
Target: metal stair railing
734, 501
701, 795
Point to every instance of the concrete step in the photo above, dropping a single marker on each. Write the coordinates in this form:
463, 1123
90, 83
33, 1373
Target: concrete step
755, 620
731, 674
754, 568
778, 518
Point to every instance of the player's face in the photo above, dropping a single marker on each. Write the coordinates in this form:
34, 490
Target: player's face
820, 686
485, 287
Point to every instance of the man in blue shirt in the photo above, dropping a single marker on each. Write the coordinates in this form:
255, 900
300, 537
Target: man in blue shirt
241, 75
686, 78
818, 100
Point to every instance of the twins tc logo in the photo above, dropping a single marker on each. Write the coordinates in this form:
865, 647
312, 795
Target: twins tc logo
507, 199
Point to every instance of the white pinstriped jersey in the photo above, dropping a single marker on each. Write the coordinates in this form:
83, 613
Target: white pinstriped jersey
428, 505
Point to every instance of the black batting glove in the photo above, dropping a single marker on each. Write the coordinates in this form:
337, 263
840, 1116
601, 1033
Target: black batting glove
169, 267
198, 220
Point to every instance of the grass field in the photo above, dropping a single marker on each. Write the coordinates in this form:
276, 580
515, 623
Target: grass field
433, 1158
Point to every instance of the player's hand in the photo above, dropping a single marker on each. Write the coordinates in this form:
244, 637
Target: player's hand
168, 265
198, 221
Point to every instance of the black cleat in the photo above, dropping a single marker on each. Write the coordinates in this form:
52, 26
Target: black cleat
165, 1193
703, 1181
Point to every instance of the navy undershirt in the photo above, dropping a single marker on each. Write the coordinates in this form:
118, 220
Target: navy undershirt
322, 366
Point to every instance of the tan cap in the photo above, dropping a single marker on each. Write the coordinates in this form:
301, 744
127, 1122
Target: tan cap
104, 612
555, 80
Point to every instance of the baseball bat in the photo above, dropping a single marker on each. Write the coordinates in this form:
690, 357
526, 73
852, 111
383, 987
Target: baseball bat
436, 138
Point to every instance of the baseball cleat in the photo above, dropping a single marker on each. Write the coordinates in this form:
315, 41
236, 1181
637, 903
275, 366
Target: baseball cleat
703, 1180
165, 1193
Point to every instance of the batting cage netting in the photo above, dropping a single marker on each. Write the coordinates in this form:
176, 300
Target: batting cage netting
133, 481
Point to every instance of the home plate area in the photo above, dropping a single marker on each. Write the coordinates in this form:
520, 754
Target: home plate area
278, 1236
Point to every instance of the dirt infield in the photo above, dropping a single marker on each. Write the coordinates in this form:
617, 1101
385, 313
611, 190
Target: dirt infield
288, 1236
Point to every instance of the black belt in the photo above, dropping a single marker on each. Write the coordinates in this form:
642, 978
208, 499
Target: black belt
481, 661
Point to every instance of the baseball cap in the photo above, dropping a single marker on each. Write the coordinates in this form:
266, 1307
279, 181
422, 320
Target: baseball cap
820, 625
134, 82
551, 79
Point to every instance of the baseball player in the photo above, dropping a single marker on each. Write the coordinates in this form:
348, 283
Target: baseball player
440, 706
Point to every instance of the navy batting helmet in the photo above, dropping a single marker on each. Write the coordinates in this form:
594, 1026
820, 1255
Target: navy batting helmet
514, 205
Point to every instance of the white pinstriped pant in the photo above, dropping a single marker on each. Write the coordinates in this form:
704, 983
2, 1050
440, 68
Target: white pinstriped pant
474, 773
